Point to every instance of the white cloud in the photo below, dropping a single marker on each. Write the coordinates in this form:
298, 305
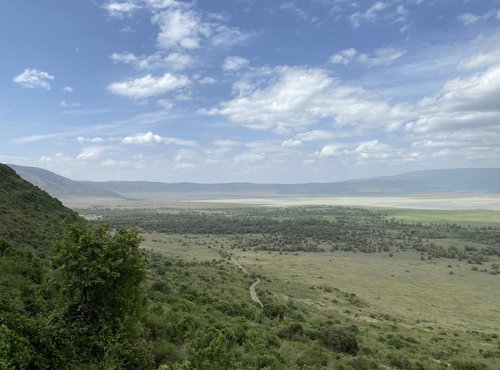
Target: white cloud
468, 18
315, 135
150, 138
147, 86
32, 78
328, 151
374, 150
92, 153
58, 157
115, 163
174, 60
178, 60
68, 89
382, 56
147, 138
96, 139
370, 15
119, 9
344, 57
470, 103
165, 104
291, 143
182, 26
296, 97
301, 13
235, 63
248, 158
485, 53
65, 104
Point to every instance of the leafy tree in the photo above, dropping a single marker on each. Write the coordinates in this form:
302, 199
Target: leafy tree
98, 274
211, 349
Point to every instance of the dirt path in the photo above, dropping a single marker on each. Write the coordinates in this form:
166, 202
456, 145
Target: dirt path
253, 293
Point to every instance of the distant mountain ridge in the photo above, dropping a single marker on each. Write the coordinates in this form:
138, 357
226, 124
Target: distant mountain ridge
466, 180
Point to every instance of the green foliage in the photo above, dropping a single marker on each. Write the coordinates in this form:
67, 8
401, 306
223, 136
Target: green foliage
98, 275
294, 331
211, 349
15, 350
339, 339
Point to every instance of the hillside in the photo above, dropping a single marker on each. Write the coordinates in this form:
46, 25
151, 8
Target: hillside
61, 187
28, 215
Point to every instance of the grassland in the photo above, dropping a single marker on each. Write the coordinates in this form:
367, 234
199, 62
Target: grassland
417, 292
412, 309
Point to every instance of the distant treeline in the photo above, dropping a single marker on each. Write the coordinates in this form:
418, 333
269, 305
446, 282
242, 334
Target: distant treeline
315, 229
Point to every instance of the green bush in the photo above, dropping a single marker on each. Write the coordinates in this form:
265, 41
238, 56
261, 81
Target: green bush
339, 339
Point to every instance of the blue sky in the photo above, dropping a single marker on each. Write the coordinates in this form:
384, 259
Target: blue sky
249, 90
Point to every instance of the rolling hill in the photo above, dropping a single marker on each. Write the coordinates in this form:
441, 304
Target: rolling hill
465, 181
458, 181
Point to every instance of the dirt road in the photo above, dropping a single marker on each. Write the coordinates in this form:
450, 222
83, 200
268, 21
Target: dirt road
253, 293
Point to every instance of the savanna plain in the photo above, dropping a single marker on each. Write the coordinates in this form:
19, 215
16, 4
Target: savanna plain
341, 287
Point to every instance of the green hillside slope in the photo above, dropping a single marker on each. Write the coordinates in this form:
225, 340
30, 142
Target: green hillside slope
29, 216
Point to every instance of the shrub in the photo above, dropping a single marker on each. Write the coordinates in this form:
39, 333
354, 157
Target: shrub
340, 339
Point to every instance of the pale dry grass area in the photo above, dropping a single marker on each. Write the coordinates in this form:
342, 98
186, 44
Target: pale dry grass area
403, 286
442, 202
445, 202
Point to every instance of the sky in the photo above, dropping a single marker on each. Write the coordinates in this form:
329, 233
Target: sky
266, 91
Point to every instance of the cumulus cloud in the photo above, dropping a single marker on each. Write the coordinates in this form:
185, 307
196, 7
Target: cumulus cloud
344, 56
235, 63
147, 138
58, 157
291, 143
68, 89
382, 56
487, 56
92, 153
297, 97
462, 103
119, 9
32, 78
147, 86
150, 138
328, 151
207, 80
183, 26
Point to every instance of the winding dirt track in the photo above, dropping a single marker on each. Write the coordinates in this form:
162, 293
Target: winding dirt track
253, 293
